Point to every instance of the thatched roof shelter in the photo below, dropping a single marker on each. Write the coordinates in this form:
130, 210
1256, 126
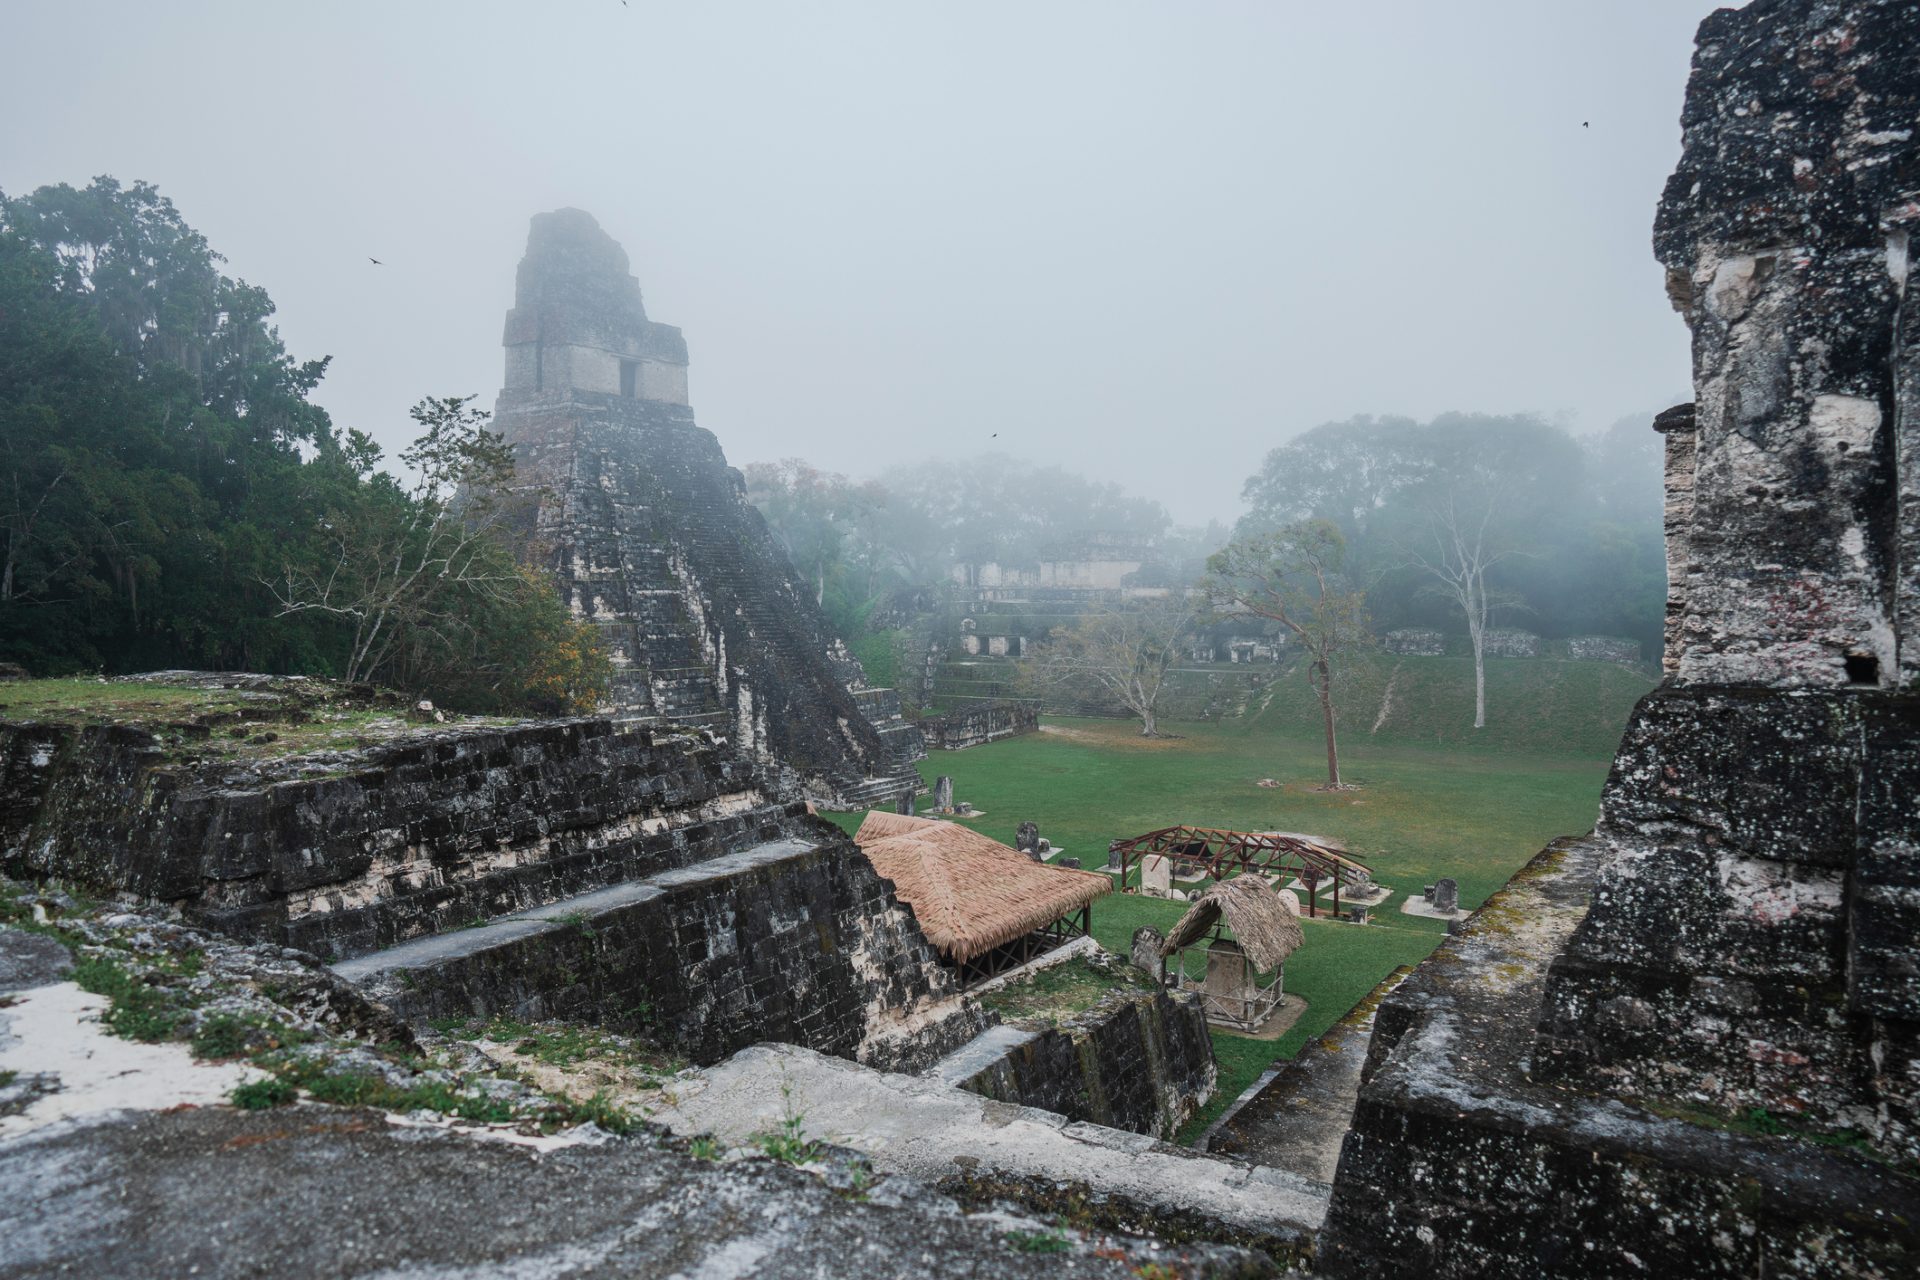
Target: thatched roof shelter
1266, 924
970, 892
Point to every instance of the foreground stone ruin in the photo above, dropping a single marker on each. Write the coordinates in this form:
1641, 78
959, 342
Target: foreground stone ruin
598, 873
1689, 1044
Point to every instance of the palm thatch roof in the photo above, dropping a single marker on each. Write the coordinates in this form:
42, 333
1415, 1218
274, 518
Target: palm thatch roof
1266, 924
970, 892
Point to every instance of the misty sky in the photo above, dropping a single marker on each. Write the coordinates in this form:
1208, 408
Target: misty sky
1145, 241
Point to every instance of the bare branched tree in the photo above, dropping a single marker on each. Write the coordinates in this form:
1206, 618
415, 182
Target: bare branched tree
1294, 577
1122, 653
1459, 545
399, 570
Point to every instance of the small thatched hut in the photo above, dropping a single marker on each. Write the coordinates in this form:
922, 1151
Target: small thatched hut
1266, 930
983, 905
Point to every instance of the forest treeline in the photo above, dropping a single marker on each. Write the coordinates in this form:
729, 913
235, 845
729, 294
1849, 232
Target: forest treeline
1565, 532
170, 495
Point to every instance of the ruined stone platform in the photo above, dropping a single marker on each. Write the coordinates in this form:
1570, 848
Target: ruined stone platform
1459, 1164
567, 913
344, 852
794, 940
922, 1127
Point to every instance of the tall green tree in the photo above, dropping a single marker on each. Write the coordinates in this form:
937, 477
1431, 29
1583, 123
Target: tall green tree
163, 469
1586, 514
1295, 576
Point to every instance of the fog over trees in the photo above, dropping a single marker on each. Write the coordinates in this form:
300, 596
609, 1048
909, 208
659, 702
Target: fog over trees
1463, 523
175, 497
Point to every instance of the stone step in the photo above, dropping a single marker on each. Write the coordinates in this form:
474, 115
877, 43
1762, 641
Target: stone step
1295, 1116
566, 913
874, 792
925, 1128
979, 1053
787, 940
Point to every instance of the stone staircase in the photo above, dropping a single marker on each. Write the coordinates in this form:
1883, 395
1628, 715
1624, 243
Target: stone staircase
794, 939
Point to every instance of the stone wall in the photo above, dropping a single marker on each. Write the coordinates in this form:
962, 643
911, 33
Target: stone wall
1603, 649
345, 852
1460, 1165
1767, 960
796, 941
1135, 1060
972, 724
1500, 642
1419, 642
649, 535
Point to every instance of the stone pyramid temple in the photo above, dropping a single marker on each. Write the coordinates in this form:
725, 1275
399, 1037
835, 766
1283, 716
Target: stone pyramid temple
649, 534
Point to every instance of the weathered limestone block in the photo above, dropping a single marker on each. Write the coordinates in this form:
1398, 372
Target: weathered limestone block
1136, 1060
345, 852
1603, 649
980, 723
649, 535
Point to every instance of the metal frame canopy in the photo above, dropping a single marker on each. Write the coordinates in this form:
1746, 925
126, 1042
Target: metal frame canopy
1218, 853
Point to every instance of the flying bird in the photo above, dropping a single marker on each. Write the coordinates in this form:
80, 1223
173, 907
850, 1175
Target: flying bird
376, 262
1584, 124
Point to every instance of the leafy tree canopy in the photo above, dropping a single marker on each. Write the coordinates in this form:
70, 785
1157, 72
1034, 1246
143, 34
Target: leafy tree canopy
1577, 523
162, 469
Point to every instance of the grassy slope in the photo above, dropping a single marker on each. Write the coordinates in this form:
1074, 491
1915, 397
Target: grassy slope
1549, 705
1422, 812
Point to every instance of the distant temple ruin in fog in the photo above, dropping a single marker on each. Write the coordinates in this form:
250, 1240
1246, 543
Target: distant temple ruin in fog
649, 535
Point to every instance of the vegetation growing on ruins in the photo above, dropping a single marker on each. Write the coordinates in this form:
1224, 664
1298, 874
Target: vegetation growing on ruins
1058, 992
160, 986
201, 723
174, 498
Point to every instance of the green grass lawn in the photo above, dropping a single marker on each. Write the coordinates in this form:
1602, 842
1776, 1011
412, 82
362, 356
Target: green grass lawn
1421, 812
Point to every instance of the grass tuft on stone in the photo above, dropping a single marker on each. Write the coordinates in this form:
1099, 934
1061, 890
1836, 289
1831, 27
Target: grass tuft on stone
262, 1095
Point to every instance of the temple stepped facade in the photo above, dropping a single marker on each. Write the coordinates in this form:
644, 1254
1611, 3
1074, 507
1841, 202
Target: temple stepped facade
649, 535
